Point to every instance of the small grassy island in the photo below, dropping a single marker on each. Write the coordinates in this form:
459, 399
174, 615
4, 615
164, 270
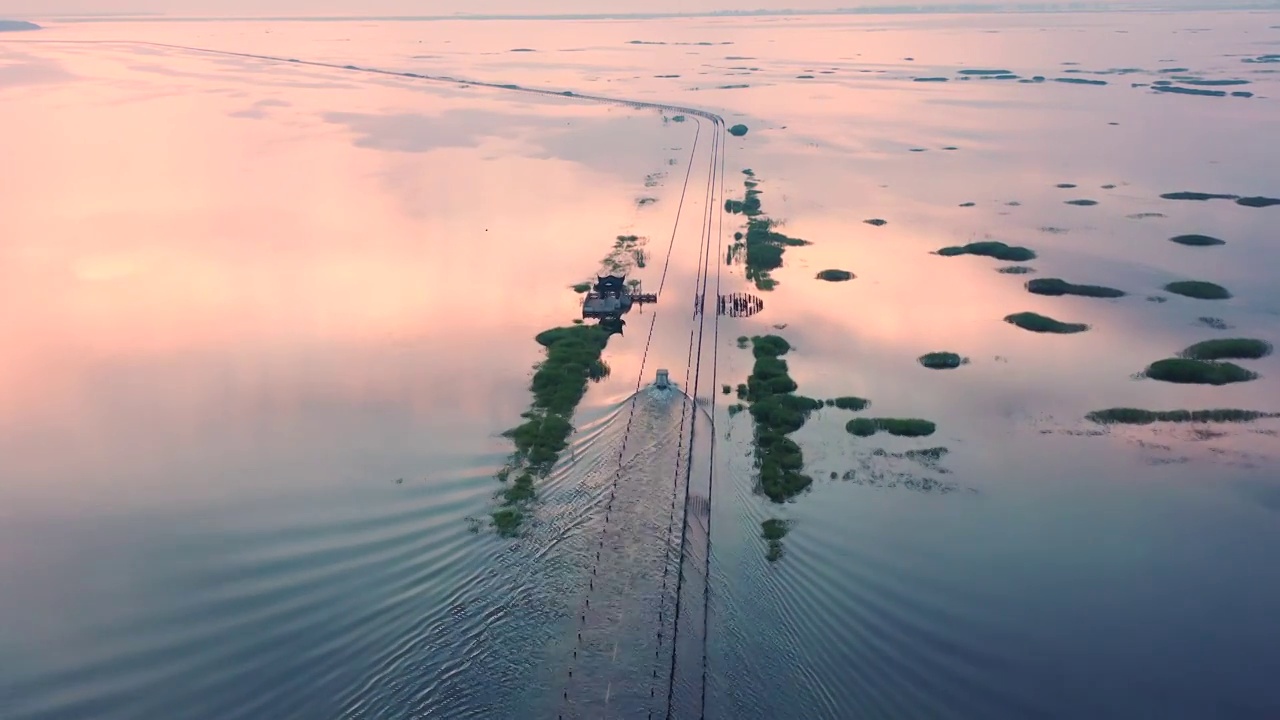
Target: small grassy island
1185, 371
878, 222
942, 360
908, 427
1135, 416
835, 275
1197, 240
738, 130
1057, 286
1016, 270
1042, 324
1201, 196
1082, 202
1198, 289
1228, 349
777, 412
559, 383
762, 244
991, 249
772, 531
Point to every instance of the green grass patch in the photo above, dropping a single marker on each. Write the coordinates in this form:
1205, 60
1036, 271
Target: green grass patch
941, 360
1199, 372
992, 249
507, 521
1057, 286
1228, 349
1197, 240
902, 427
850, 402
559, 383
762, 244
835, 275
777, 411
1198, 289
773, 531
1135, 416
1043, 324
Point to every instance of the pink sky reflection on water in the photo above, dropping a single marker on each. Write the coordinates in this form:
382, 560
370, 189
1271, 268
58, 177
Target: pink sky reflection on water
183, 273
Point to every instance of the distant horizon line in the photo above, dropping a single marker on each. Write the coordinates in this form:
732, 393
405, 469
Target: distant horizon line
953, 9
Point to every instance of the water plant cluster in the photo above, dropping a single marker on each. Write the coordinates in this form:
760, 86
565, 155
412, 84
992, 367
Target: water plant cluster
1202, 363
777, 411
559, 383
761, 242
772, 531
942, 360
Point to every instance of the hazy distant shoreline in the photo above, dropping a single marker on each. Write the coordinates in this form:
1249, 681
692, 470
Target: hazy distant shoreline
961, 8
17, 26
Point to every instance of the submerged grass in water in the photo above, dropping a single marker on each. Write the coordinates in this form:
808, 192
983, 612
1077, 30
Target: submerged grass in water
942, 360
835, 275
1136, 416
1198, 289
902, 427
992, 249
777, 412
559, 383
1042, 324
763, 245
1057, 286
772, 531
1228, 349
1199, 372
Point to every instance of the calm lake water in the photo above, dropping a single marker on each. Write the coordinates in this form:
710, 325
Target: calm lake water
265, 323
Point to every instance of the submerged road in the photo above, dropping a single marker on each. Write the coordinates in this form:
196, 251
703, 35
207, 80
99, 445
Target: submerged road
639, 554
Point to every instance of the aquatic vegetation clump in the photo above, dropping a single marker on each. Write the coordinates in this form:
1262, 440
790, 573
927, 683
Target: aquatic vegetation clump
849, 402
559, 383
772, 531
777, 411
835, 275
991, 249
1057, 286
1214, 322
1016, 269
902, 427
981, 72
942, 360
1198, 289
930, 79
1185, 371
1082, 202
1200, 196
1043, 324
878, 222
1197, 240
1257, 201
1080, 81
762, 244
738, 130
1187, 91
1228, 349
1136, 416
